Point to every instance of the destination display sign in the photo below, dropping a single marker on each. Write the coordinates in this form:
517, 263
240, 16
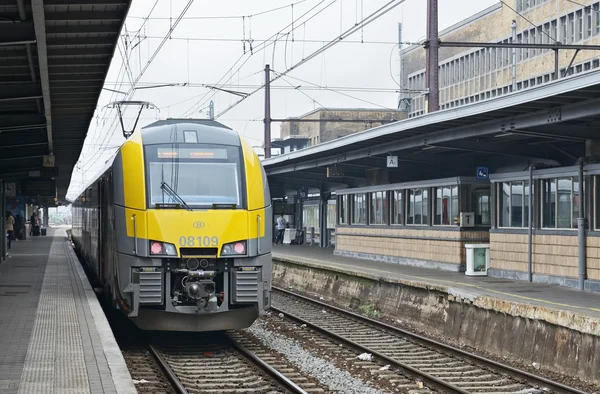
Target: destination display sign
192, 153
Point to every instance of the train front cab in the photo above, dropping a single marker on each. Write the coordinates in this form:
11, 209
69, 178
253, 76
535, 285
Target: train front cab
199, 269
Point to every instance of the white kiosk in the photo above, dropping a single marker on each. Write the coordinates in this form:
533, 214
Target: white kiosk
478, 259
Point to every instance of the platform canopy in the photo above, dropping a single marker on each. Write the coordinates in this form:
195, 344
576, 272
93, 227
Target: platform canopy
54, 58
549, 124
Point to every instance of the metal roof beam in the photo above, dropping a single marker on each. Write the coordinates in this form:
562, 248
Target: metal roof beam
78, 61
75, 52
286, 181
114, 16
85, 2
53, 70
572, 133
83, 29
39, 20
493, 149
506, 125
75, 41
20, 91
16, 33
13, 120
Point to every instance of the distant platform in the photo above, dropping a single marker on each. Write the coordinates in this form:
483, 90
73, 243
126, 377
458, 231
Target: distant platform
556, 304
54, 336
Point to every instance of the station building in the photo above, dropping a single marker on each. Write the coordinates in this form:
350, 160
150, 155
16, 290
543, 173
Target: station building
326, 124
475, 74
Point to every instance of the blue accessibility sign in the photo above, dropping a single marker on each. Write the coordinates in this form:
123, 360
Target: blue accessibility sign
483, 173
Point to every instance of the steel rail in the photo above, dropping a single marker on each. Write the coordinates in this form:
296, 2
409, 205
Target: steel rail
427, 379
275, 374
532, 379
175, 382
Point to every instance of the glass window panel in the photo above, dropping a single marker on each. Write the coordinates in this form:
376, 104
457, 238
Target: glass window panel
564, 203
425, 214
504, 205
516, 205
482, 207
411, 207
437, 218
384, 208
549, 203
418, 206
446, 205
398, 208
342, 209
455, 211
596, 200
575, 203
526, 192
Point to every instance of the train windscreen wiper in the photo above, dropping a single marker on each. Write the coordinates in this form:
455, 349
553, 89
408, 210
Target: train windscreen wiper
172, 193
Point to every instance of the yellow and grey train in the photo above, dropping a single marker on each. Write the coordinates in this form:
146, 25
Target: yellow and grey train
177, 230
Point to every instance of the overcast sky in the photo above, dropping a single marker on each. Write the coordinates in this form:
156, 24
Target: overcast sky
203, 49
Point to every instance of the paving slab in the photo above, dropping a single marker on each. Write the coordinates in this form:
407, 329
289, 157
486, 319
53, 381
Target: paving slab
54, 337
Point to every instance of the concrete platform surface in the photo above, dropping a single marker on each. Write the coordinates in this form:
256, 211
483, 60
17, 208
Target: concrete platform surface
553, 303
54, 337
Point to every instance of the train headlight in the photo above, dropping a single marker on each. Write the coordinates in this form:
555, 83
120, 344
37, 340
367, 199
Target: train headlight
234, 249
162, 249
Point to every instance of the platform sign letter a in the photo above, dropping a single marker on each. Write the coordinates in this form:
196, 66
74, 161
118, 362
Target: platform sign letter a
392, 161
48, 161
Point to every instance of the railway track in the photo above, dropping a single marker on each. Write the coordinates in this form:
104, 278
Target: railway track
439, 366
218, 364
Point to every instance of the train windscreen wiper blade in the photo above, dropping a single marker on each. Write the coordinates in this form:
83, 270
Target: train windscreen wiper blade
170, 191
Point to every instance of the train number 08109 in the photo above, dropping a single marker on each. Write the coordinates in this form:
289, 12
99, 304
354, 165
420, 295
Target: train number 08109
200, 242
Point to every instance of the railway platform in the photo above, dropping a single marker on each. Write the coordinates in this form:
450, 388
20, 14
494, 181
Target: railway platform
54, 337
557, 304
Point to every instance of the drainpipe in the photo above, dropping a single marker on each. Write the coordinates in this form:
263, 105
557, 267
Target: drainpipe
530, 227
581, 231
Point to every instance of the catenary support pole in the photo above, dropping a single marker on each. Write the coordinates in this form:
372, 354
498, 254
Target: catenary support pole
267, 112
530, 227
432, 57
581, 231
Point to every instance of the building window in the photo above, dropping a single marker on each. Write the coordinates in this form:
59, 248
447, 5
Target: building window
378, 212
446, 205
597, 12
579, 26
397, 207
343, 209
359, 209
560, 203
482, 207
588, 22
513, 204
418, 207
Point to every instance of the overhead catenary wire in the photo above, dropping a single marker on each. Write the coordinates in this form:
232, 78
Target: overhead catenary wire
369, 19
131, 91
222, 16
265, 45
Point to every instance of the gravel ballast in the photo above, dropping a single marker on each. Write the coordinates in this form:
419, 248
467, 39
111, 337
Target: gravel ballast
322, 370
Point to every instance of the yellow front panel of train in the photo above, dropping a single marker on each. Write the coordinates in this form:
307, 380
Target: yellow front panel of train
133, 173
203, 229
254, 181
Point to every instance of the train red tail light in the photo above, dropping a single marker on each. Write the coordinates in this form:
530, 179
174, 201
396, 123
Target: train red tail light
239, 248
156, 248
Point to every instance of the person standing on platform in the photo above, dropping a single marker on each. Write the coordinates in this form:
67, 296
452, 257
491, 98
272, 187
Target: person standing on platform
10, 223
280, 229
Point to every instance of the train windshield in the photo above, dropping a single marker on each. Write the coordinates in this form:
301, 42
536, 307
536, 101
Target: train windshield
200, 174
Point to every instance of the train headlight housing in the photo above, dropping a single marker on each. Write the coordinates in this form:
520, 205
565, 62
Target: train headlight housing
234, 249
162, 249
